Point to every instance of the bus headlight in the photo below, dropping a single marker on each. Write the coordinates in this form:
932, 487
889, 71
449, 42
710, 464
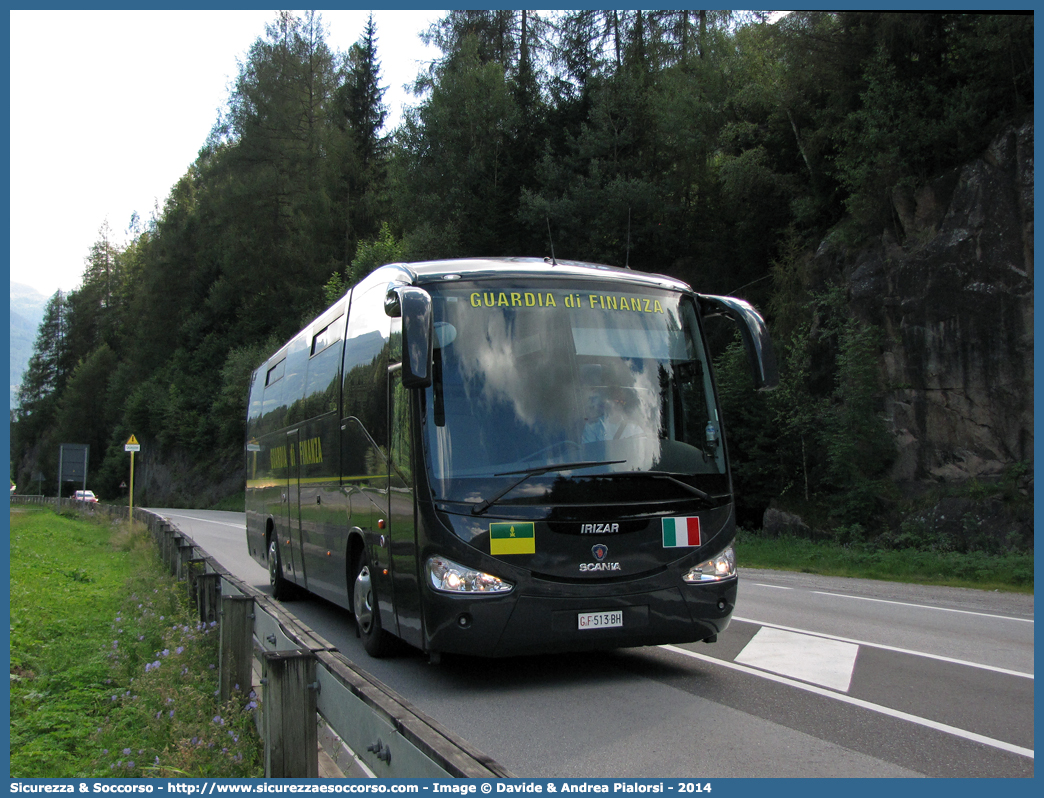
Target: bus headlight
447, 576
715, 569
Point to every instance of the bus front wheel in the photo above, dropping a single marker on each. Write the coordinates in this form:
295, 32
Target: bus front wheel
376, 641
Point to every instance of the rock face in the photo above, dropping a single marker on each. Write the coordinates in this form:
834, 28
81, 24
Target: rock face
951, 286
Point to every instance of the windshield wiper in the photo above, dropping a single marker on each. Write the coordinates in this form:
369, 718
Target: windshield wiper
479, 509
711, 500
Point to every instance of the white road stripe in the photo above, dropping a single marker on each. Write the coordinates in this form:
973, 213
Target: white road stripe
924, 606
858, 702
896, 649
207, 521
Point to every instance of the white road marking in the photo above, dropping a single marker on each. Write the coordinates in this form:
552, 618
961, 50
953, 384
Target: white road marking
819, 660
206, 520
777, 587
882, 646
924, 606
858, 702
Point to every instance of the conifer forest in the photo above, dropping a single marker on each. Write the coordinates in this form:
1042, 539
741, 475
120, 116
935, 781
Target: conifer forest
718, 147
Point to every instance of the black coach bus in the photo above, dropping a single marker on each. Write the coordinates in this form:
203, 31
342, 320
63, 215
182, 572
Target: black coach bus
501, 457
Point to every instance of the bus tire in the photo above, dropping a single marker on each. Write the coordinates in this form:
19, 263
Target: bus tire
279, 584
377, 642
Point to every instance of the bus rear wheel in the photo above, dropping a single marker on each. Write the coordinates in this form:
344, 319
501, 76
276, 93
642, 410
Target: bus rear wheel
280, 586
377, 642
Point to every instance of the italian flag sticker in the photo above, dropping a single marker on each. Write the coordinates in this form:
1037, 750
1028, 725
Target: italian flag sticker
681, 532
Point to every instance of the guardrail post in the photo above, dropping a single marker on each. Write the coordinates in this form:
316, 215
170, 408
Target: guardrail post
208, 596
184, 556
288, 703
166, 533
237, 645
173, 542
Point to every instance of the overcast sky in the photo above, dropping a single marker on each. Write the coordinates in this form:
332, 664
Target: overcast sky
111, 113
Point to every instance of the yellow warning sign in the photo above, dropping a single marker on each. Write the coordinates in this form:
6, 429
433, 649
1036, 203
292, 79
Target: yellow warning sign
132, 441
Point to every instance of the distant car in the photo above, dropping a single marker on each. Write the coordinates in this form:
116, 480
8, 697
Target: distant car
85, 496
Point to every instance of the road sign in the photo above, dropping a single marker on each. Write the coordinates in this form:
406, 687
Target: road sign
72, 461
131, 446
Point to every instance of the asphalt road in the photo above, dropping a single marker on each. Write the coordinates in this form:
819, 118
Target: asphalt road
816, 677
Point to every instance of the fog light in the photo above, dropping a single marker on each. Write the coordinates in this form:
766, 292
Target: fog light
723, 566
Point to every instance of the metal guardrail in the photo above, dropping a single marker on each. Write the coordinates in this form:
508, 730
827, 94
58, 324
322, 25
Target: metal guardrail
310, 692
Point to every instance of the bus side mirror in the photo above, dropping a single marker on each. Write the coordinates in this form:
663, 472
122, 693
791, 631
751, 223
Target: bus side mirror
414, 306
754, 333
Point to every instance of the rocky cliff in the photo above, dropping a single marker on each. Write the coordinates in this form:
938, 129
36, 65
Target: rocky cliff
951, 285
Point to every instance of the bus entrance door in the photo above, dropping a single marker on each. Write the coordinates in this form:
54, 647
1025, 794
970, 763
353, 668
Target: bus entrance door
402, 517
292, 556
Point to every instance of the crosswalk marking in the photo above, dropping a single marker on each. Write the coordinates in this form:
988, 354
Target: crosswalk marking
897, 649
818, 660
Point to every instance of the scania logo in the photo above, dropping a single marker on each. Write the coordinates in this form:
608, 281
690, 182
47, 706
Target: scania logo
600, 552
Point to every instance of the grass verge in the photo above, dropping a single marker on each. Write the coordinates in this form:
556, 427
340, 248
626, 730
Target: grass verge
1011, 572
111, 673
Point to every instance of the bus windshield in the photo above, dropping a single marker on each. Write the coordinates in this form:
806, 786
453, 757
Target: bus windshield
530, 377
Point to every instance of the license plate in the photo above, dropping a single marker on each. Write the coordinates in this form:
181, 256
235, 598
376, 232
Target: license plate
599, 620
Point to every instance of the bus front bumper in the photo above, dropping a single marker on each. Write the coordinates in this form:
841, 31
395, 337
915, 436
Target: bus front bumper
527, 624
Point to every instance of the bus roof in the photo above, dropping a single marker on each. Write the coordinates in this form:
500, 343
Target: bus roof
480, 268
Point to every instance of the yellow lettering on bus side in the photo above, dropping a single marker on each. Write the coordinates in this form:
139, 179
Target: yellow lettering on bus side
476, 300
489, 299
278, 457
657, 308
530, 300
550, 301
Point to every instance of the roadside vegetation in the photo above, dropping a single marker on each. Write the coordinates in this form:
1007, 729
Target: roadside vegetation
112, 674
1010, 571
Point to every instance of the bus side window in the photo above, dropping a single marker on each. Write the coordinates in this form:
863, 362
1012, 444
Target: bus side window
366, 364
294, 379
323, 388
